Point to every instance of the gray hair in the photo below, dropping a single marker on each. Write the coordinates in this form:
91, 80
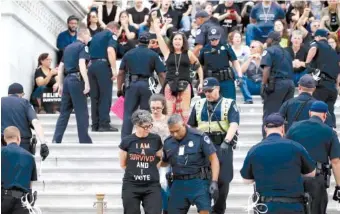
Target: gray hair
175, 119
140, 117
297, 33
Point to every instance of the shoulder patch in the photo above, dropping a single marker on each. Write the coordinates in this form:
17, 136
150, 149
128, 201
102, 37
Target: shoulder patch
222, 48
264, 53
198, 32
312, 43
114, 37
207, 139
86, 49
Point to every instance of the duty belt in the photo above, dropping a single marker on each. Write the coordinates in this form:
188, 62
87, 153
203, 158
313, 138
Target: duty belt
187, 177
99, 59
135, 77
325, 77
265, 199
13, 193
216, 137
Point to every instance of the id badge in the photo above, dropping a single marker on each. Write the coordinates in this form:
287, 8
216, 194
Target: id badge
181, 150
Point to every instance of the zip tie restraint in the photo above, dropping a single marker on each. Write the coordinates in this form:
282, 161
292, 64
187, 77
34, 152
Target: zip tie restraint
253, 204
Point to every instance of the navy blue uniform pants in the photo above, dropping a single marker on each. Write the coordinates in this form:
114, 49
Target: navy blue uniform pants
11, 205
149, 195
284, 90
137, 95
317, 190
224, 179
101, 93
327, 92
73, 97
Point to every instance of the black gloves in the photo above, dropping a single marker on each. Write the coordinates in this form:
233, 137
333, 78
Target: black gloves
44, 151
336, 196
32, 197
120, 93
263, 91
213, 190
224, 147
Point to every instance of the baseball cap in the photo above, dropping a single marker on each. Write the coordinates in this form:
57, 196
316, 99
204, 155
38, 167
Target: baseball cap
15, 88
321, 32
201, 14
319, 106
274, 120
144, 38
275, 36
214, 33
210, 83
307, 81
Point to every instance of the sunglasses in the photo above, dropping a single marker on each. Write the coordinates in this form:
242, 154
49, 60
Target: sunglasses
212, 40
208, 90
146, 127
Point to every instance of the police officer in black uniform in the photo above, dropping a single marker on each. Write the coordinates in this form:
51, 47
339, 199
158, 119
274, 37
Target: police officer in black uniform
297, 108
215, 57
17, 111
205, 23
74, 88
194, 162
102, 71
323, 62
218, 117
18, 170
277, 81
276, 165
135, 71
322, 143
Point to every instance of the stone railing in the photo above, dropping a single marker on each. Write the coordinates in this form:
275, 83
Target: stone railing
29, 29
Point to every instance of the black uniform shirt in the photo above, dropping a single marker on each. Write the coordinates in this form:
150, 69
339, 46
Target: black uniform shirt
100, 42
72, 54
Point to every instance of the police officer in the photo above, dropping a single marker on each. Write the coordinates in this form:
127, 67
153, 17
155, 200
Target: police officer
135, 71
205, 23
215, 58
18, 170
188, 152
102, 71
323, 62
17, 111
322, 143
276, 165
74, 88
218, 117
297, 108
277, 81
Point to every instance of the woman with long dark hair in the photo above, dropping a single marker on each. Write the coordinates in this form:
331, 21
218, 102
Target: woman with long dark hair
93, 23
44, 77
178, 59
127, 35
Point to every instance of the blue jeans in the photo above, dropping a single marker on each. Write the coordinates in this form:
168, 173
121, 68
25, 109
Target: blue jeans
165, 198
186, 23
254, 32
249, 88
38, 92
297, 77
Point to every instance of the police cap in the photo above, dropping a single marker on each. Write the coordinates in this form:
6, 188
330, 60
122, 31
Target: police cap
319, 106
72, 17
275, 36
214, 34
321, 33
307, 81
210, 83
201, 14
15, 88
144, 38
274, 120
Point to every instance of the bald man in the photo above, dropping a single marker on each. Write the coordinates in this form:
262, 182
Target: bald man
18, 170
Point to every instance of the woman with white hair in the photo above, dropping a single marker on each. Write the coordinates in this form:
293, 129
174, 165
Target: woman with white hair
139, 155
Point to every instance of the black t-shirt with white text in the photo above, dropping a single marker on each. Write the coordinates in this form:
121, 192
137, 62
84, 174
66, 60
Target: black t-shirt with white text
141, 167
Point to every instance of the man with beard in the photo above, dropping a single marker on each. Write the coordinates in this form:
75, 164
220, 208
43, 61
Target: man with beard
277, 81
68, 36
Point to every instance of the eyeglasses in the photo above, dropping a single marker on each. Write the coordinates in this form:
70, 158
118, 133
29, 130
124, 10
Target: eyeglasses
147, 127
208, 90
156, 108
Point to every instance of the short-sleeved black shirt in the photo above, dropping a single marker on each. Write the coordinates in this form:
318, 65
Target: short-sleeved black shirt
138, 17
300, 55
142, 161
39, 73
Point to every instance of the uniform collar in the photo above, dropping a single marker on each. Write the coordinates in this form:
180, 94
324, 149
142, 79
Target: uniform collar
13, 95
316, 119
12, 144
140, 45
216, 101
80, 41
274, 135
305, 94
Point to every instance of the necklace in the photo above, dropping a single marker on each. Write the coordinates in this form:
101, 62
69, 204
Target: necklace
266, 13
177, 64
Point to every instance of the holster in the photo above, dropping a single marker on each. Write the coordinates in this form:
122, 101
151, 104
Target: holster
325, 171
307, 203
221, 75
216, 137
271, 84
33, 145
169, 177
206, 173
127, 80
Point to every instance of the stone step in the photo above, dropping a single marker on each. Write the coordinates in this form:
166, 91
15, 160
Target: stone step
89, 209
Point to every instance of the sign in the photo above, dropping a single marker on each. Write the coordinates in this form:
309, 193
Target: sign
50, 100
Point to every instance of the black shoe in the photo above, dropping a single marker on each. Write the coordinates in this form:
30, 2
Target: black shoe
249, 102
94, 129
107, 129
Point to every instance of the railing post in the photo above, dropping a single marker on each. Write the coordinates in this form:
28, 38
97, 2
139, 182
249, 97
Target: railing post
100, 204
